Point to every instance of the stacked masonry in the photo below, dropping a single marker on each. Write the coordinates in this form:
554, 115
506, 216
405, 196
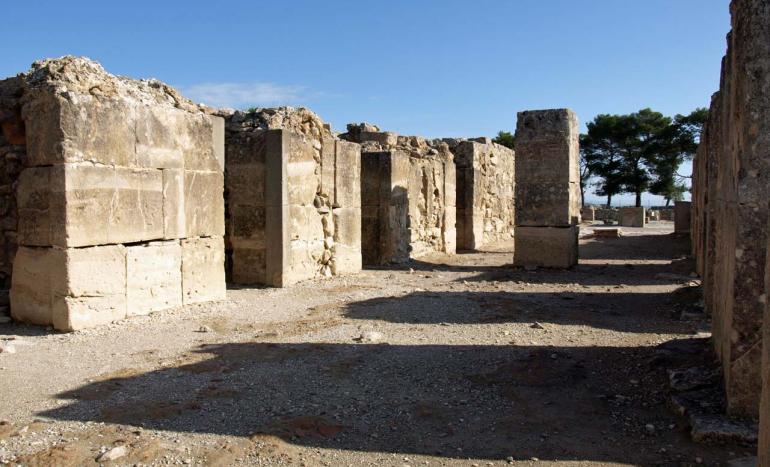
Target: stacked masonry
547, 189
120, 208
730, 218
485, 192
408, 195
293, 198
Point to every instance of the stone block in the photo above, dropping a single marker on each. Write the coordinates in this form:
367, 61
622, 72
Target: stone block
547, 204
764, 413
174, 225
682, 216
204, 204
89, 205
248, 266
347, 175
550, 247
347, 241
69, 289
203, 270
302, 161
154, 277
588, 214
631, 217
547, 148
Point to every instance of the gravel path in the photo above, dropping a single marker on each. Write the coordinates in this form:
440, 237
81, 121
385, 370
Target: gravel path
445, 361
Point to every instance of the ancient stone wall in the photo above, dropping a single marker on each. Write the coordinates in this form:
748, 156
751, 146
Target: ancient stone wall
632, 217
13, 145
293, 198
548, 196
730, 216
486, 187
408, 201
119, 203
682, 216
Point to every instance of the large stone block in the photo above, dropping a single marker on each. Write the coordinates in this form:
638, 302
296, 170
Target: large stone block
84, 205
764, 413
547, 204
682, 216
632, 217
550, 247
347, 241
70, 289
174, 225
547, 147
204, 204
347, 175
154, 277
203, 270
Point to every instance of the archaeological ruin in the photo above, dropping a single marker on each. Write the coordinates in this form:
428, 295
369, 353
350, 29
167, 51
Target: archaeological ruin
408, 195
486, 187
293, 198
729, 224
112, 175
548, 199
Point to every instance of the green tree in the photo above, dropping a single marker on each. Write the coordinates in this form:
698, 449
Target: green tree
504, 138
602, 150
646, 135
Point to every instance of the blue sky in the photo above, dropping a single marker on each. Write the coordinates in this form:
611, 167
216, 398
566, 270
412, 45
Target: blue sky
434, 68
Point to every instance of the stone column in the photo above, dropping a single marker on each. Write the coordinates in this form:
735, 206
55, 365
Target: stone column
682, 213
547, 189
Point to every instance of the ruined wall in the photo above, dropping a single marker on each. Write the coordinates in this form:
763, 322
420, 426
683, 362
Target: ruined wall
731, 212
293, 196
13, 146
485, 192
682, 216
408, 202
548, 199
119, 203
764, 422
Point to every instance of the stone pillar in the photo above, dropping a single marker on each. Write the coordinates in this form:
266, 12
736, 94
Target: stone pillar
682, 213
120, 207
547, 189
293, 198
485, 192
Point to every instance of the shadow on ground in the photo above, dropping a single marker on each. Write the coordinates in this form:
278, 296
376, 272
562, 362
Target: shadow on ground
483, 401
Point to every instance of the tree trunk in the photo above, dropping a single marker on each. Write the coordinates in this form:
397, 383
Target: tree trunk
668, 202
582, 197
638, 199
609, 201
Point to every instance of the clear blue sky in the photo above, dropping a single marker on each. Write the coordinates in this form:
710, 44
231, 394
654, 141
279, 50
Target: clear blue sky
435, 68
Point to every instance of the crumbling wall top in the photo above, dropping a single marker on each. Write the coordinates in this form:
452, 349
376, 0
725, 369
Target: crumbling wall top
298, 119
372, 139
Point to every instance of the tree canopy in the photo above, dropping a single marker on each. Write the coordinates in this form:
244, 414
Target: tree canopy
640, 152
504, 138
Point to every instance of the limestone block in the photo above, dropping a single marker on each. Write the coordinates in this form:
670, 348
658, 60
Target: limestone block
302, 169
70, 289
174, 204
90, 205
347, 240
247, 226
78, 128
550, 247
218, 140
347, 178
546, 204
682, 216
547, 148
154, 277
248, 265
588, 214
631, 217
764, 413
204, 203
203, 270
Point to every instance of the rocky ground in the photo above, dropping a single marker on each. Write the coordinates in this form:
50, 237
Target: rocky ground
446, 361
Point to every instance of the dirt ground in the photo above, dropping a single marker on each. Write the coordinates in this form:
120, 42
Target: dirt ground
458, 360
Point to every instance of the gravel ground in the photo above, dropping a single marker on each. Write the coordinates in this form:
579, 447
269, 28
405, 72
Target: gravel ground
457, 360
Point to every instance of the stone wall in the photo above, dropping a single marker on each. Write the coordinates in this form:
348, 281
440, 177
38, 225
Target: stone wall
13, 146
119, 202
682, 216
295, 187
548, 199
730, 216
408, 195
632, 217
486, 186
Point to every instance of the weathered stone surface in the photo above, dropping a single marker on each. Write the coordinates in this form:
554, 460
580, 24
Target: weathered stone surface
729, 224
154, 277
408, 200
70, 289
204, 206
547, 188
485, 192
203, 270
294, 187
588, 214
764, 419
632, 217
550, 247
682, 219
